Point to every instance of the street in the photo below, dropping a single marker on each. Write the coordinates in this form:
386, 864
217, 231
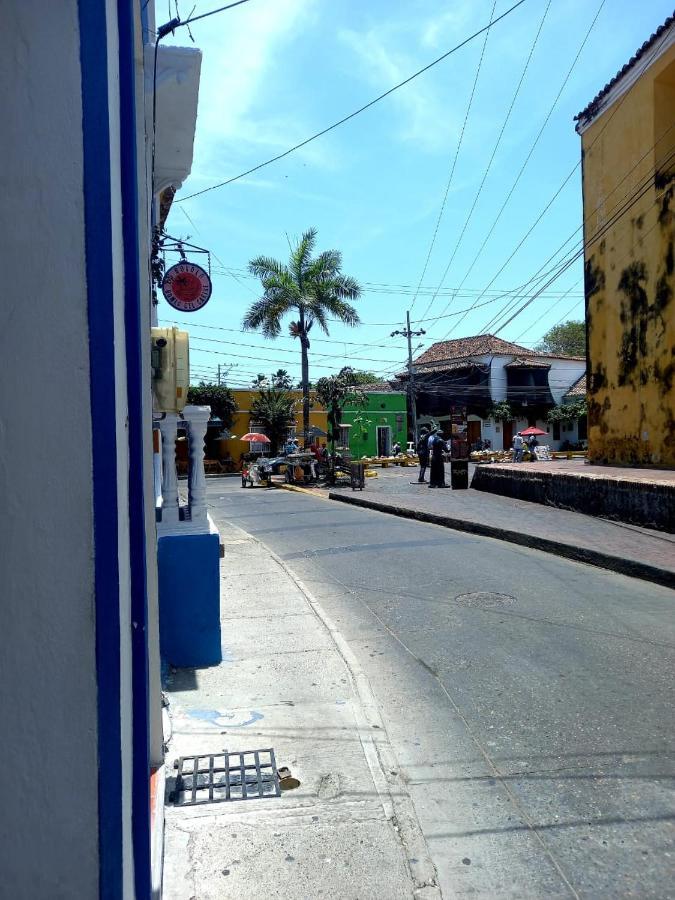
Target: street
527, 698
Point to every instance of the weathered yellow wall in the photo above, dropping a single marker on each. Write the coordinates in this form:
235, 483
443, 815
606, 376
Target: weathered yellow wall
242, 419
629, 273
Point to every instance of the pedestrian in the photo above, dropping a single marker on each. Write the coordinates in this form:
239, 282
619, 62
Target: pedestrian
423, 454
518, 443
532, 445
396, 449
438, 447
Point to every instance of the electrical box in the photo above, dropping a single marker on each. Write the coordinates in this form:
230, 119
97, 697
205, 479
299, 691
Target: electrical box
170, 361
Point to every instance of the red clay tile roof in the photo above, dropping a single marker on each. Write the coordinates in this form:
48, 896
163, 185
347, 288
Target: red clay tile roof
464, 348
586, 114
578, 389
381, 387
530, 362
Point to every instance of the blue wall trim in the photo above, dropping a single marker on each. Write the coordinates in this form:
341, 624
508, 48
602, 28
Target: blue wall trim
136, 342
99, 273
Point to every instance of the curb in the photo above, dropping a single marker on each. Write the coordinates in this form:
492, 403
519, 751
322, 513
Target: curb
632, 568
300, 490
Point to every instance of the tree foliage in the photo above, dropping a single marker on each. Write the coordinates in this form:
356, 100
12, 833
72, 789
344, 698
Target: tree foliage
334, 392
361, 377
275, 409
312, 287
219, 397
566, 339
568, 411
281, 380
501, 411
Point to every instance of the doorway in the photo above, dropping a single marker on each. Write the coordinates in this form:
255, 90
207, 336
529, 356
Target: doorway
507, 432
473, 433
383, 440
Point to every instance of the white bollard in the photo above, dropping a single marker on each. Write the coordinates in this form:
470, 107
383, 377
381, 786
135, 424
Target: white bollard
197, 418
168, 426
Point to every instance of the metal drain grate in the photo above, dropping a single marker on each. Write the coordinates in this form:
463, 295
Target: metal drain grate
219, 777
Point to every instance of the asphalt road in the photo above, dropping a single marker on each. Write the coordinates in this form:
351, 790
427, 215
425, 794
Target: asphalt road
528, 699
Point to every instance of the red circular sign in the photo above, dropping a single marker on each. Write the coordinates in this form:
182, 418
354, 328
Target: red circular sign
186, 287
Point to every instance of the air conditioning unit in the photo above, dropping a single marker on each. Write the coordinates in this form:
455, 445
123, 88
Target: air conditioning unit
170, 361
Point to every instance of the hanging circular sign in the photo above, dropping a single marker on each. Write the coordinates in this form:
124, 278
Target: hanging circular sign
186, 287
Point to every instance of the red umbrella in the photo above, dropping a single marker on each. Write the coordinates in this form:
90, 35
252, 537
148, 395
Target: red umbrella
254, 437
533, 430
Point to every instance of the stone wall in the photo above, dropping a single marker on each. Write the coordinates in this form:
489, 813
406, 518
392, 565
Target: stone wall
638, 503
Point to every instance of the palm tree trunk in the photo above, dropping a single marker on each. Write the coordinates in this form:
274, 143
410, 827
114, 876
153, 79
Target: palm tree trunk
304, 345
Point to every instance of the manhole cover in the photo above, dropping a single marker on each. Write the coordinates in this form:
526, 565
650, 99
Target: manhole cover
485, 599
219, 777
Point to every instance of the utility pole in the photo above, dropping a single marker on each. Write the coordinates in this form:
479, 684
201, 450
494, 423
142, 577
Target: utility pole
218, 374
412, 399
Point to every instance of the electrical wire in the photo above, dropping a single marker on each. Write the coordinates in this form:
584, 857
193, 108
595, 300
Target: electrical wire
532, 147
610, 224
490, 161
454, 162
647, 63
584, 244
356, 112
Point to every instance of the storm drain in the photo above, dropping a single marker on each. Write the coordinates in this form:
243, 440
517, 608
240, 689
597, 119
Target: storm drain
485, 599
219, 777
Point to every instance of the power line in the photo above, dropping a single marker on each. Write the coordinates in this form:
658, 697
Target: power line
454, 162
647, 62
356, 112
284, 350
491, 160
532, 147
600, 233
536, 321
642, 187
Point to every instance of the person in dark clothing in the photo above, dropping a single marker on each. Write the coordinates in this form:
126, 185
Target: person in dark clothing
423, 453
532, 445
438, 447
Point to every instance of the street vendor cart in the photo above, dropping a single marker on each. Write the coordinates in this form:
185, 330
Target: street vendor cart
300, 468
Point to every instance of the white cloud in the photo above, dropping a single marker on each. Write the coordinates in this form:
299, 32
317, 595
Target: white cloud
428, 120
242, 54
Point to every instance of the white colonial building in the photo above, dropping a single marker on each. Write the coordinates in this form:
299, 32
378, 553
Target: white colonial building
460, 382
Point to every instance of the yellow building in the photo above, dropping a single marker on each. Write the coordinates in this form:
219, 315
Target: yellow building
244, 422
628, 163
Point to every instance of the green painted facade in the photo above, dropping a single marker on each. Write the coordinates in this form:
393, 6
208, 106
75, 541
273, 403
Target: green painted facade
384, 410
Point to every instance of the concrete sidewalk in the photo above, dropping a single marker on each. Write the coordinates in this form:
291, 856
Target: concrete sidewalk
288, 681
627, 549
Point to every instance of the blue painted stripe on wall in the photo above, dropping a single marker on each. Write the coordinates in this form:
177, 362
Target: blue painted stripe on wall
99, 273
136, 343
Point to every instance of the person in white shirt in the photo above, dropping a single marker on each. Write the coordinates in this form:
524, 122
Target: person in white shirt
518, 443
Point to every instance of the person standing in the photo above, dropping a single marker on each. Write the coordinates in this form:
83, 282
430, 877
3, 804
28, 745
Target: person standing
518, 448
438, 447
532, 445
423, 454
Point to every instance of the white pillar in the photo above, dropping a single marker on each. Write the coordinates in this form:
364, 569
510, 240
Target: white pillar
197, 418
167, 426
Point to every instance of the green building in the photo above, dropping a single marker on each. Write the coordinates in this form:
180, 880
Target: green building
374, 428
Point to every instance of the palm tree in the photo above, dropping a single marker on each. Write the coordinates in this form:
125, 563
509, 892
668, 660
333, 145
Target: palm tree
315, 288
275, 409
282, 380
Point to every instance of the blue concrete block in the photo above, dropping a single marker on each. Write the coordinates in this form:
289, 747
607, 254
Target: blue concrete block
189, 599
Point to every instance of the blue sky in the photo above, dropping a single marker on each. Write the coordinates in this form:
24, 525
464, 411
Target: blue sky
276, 71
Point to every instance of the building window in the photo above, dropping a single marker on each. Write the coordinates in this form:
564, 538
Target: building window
343, 438
258, 446
556, 431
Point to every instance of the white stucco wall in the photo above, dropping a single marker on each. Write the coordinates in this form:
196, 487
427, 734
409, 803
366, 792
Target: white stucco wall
498, 376
563, 374
49, 833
